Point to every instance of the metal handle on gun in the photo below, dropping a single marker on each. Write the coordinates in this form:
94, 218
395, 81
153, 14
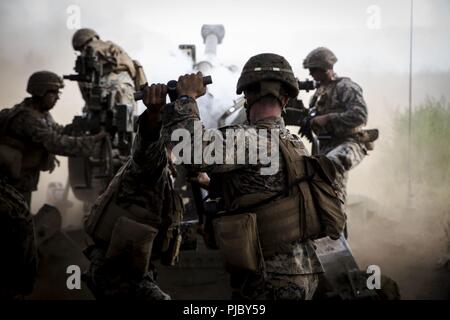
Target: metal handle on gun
171, 89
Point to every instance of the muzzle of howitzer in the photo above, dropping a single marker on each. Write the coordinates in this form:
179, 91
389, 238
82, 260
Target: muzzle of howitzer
171, 88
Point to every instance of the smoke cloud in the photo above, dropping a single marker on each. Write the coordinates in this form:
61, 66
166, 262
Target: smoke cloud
404, 235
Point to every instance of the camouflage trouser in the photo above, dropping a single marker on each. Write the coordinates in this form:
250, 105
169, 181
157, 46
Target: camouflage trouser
108, 279
292, 287
345, 157
277, 287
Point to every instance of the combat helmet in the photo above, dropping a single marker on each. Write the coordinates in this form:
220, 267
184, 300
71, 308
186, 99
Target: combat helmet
267, 67
83, 36
42, 81
321, 57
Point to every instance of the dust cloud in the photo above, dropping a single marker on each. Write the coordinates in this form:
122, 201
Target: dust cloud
402, 233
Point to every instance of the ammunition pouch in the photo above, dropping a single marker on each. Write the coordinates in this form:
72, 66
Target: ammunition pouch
107, 219
100, 225
313, 177
367, 137
325, 213
278, 224
131, 243
10, 161
238, 239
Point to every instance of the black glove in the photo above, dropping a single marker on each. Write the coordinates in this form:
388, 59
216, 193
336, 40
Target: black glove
305, 128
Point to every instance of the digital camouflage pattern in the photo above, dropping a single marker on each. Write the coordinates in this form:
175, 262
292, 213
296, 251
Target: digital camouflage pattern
120, 74
143, 189
342, 100
299, 287
39, 138
113, 57
119, 71
345, 157
236, 181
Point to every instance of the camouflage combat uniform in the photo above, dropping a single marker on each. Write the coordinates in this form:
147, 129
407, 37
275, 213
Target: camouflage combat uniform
143, 191
17, 244
38, 137
290, 274
120, 73
343, 101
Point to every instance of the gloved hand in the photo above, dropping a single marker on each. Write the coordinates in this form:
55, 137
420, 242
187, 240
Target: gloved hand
306, 129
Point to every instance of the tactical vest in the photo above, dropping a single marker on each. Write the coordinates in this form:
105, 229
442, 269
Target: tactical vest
322, 101
32, 156
310, 209
106, 213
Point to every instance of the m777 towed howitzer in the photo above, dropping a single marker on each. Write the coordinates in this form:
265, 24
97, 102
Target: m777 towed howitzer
89, 176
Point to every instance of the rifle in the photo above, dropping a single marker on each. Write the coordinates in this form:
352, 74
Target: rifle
296, 114
100, 113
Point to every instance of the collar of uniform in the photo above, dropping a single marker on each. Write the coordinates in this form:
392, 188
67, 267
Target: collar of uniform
276, 122
27, 102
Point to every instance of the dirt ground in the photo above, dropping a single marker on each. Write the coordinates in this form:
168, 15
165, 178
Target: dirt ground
409, 245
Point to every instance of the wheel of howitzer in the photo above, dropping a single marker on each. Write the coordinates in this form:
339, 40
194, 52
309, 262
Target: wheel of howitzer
88, 177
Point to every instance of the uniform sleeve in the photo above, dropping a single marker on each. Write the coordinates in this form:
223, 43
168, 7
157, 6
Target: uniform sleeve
350, 96
56, 126
38, 131
200, 149
146, 175
149, 156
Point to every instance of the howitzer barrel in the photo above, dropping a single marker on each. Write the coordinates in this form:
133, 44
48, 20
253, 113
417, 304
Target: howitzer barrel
171, 88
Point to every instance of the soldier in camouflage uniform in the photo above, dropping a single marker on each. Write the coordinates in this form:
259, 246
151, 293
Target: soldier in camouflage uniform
121, 74
17, 244
30, 138
267, 80
341, 114
142, 195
